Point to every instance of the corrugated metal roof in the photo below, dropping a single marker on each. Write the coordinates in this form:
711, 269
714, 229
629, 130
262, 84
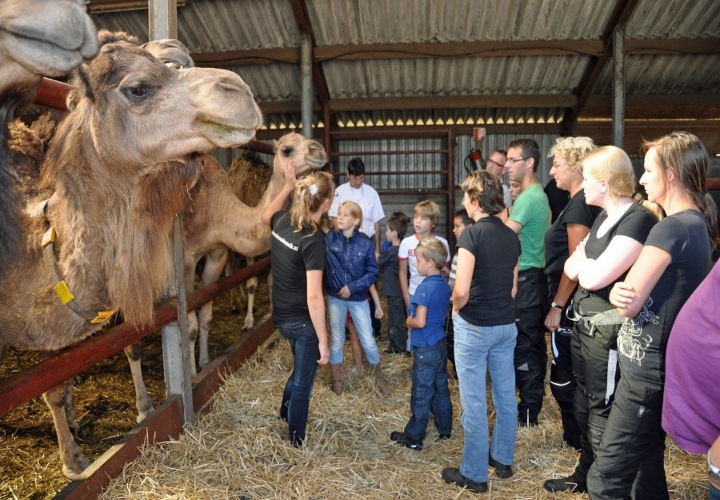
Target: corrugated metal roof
236, 27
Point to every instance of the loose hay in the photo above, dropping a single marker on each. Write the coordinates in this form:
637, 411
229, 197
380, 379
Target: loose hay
241, 449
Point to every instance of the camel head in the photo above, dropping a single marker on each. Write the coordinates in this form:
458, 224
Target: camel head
42, 38
125, 96
307, 154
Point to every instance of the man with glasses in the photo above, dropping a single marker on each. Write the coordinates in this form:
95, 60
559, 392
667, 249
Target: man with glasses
496, 166
530, 219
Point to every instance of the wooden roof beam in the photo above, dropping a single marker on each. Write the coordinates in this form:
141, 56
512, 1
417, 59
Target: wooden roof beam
521, 48
674, 106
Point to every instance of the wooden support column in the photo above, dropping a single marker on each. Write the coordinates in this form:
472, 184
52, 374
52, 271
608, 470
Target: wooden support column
618, 105
162, 21
307, 97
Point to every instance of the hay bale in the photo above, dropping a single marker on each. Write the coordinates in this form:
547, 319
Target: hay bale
249, 177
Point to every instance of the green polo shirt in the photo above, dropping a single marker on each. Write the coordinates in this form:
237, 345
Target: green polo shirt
532, 210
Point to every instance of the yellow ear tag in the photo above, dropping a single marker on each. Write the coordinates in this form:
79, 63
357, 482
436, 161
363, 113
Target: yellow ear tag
63, 292
103, 316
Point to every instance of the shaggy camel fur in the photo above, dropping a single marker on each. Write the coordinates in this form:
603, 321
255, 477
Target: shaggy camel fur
37, 37
120, 167
218, 220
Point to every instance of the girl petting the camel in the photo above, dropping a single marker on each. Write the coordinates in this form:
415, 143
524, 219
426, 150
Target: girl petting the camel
298, 260
672, 263
351, 271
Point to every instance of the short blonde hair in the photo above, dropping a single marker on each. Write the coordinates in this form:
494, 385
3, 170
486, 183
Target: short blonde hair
613, 165
433, 249
428, 209
354, 210
572, 150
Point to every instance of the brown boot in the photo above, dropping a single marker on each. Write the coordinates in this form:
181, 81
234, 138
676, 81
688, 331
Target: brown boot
385, 389
337, 378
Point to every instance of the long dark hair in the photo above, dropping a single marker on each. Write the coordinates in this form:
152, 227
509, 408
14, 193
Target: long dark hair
683, 154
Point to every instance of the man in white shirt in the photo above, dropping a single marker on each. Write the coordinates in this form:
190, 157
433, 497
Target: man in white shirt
365, 196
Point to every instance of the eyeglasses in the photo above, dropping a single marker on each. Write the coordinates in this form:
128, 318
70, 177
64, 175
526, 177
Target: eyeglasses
493, 162
515, 160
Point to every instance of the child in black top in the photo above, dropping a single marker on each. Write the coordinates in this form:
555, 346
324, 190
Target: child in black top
395, 229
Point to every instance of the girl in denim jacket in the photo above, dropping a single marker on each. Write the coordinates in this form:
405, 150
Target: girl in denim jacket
351, 270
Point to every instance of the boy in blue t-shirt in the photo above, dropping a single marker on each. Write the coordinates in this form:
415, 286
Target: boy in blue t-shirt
426, 317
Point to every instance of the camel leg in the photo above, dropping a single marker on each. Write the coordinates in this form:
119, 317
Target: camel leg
214, 264
70, 413
192, 337
72, 458
251, 285
269, 285
230, 268
192, 319
143, 402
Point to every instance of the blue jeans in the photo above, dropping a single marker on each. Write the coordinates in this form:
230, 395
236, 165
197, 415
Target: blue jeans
477, 350
429, 392
714, 492
298, 389
360, 314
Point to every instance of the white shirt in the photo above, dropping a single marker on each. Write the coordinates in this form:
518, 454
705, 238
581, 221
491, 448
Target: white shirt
368, 200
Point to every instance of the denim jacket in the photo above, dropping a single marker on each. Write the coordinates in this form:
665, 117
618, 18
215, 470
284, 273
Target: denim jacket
350, 261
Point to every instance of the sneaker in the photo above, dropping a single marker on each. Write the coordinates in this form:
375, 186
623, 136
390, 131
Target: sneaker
401, 439
564, 484
502, 470
452, 475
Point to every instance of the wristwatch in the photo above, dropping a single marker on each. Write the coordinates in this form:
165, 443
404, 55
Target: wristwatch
556, 305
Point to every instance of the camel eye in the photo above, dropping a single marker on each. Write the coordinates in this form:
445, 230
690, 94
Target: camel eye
174, 65
138, 91
287, 150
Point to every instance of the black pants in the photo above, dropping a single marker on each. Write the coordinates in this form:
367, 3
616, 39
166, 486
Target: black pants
530, 350
629, 462
596, 376
562, 378
397, 331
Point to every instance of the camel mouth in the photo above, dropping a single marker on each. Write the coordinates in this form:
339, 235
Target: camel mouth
227, 136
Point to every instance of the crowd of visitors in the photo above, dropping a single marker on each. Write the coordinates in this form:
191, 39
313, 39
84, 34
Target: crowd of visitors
623, 287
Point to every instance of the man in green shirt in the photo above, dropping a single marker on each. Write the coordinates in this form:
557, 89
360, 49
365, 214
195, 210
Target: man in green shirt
530, 219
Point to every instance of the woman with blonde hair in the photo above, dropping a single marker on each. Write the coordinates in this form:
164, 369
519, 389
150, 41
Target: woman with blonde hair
673, 262
570, 227
603, 257
298, 260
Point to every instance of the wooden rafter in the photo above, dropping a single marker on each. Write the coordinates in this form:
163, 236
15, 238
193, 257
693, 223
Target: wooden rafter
590, 47
672, 106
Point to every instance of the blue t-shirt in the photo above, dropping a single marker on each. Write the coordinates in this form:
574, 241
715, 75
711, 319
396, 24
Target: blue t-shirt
434, 294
